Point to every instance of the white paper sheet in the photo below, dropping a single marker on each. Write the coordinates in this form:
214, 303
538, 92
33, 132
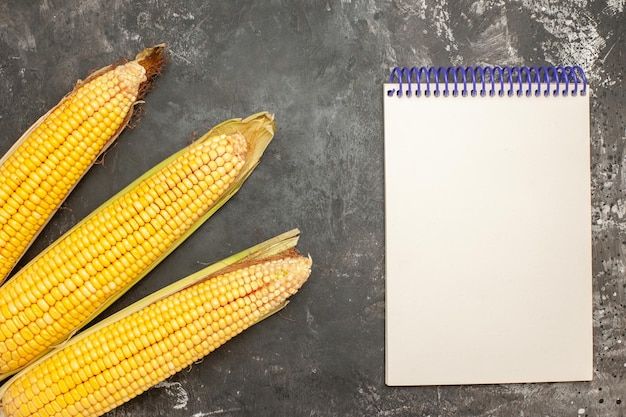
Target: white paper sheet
488, 239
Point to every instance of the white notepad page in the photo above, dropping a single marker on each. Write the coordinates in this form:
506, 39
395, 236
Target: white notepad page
488, 239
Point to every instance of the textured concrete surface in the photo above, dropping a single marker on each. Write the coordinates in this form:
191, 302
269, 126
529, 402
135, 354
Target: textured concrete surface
318, 65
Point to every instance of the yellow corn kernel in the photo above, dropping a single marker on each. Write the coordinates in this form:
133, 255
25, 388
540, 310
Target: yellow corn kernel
50, 158
167, 336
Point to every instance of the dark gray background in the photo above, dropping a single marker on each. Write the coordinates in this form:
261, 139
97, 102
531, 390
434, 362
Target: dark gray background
319, 66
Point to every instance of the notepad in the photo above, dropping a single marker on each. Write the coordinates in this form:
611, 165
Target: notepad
487, 226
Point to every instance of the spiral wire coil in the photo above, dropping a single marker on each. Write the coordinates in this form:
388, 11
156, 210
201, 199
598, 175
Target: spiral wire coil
491, 81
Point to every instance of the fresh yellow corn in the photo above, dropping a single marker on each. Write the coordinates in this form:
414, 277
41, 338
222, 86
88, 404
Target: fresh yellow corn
90, 266
128, 353
43, 166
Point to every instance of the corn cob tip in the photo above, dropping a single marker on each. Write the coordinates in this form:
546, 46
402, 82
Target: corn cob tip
294, 270
239, 144
301, 270
139, 72
152, 60
257, 128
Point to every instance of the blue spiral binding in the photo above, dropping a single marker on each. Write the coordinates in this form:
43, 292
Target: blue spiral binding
492, 81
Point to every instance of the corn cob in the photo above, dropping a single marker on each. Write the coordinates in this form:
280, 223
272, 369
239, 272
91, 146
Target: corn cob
43, 166
151, 340
91, 265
